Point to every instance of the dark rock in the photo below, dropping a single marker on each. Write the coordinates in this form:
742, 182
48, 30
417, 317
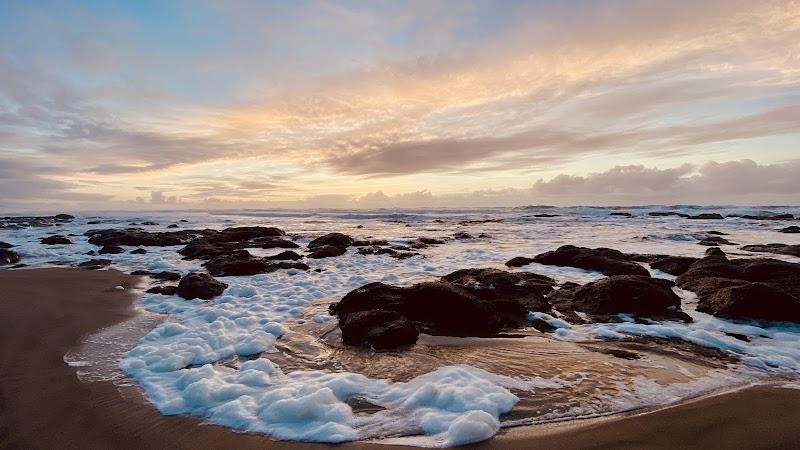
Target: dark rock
138, 251
90, 253
8, 256
501, 287
716, 233
673, 265
149, 223
545, 215
758, 301
173, 225
204, 248
462, 235
621, 214
715, 251
772, 217
519, 261
605, 260
200, 285
636, 295
791, 229
63, 217
163, 290
94, 222
139, 238
713, 241
332, 239
780, 249
706, 216
241, 262
166, 276
5, 245
438, 308
667, 214
327, 251
56, 240
111, 249
287, 255
183, 221
377, 328
430, 241
94, 264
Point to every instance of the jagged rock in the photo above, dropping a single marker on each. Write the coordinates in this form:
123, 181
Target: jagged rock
111, 249
430, 241
605, 260
139, 238
287, 255
138, 251
779, 249
163, 290
203, 248
501, 288
8, 256
200, 285
462, 235
630, 294
55, 240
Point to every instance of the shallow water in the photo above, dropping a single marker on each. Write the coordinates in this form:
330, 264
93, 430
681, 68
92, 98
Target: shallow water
198, 357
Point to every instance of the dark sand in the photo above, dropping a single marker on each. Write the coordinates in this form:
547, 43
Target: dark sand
44, 313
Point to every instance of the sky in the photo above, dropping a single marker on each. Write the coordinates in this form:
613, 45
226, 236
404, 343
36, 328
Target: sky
342, 104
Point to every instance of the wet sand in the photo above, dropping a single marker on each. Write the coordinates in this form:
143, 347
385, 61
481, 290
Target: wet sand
44, 313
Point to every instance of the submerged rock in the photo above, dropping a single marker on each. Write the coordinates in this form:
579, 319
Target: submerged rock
8, 256
667, 214
630, 294
5, 245
713, 241
95, 264
138, 251
163, 290
791, 229
771, 217
605, 260
55, 240
706, 216
200, 285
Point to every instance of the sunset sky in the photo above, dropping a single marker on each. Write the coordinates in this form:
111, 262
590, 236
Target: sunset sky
139, 104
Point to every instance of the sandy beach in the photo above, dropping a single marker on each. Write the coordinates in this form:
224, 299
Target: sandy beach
45, 312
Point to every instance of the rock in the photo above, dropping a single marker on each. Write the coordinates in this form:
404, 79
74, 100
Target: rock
667, 214
462, 235
545, 215
8, 256
163, 290
166, 276
204, 248
241, 262
173, 225
90, 253
430, 241
780, 249
64, 217
673, 265
327, 251
713, 241
715, 251
605, 260
630, 294
331, 239
287, 255
519, 261
149, 223
758, 301
139, 238
111, 249
706, 216
438, 308
94, 264
235, 234
138, 251
56, 240
791, 229
716, 233
772, 217
5, 245
621, 214
506, 290
378, 328
183, 221
19, 222
200, 285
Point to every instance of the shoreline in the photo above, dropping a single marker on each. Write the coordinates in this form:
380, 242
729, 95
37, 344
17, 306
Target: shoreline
46, 312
